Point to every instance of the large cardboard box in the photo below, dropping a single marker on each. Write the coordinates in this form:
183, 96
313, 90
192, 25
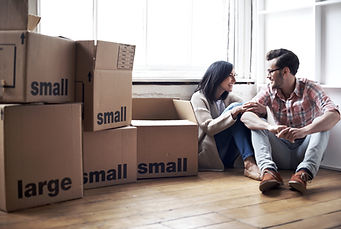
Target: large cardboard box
40, 155
167, 137
36, 68
109, 157
104, 83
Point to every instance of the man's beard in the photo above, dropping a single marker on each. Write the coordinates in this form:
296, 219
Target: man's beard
276, 84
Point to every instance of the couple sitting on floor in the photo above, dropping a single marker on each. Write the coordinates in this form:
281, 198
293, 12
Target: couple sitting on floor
303, 115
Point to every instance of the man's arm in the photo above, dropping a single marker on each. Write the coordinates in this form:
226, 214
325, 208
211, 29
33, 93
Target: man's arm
253, 122
323, 123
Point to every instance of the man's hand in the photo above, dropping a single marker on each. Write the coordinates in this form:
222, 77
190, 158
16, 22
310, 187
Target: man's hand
275, 129
255, 107
291, 134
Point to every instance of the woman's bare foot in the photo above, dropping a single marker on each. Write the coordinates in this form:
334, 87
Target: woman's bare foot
251, 169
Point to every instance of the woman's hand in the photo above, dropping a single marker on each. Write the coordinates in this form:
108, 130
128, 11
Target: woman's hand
255, 107
236, 111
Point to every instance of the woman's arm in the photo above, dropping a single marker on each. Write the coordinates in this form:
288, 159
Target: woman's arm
207, 123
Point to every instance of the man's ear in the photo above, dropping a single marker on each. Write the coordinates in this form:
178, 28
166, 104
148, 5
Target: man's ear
286, 70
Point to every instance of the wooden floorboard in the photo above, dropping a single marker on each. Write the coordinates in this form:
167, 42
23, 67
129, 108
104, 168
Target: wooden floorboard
209, 200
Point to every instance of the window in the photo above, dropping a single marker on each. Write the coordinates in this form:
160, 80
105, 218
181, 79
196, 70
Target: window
71, 19
309, 28
175, 39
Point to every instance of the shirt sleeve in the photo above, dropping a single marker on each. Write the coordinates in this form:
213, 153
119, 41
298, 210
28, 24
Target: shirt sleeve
206, 122
263, 97
322, 100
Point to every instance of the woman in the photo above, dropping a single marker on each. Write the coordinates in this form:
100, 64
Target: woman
222, 136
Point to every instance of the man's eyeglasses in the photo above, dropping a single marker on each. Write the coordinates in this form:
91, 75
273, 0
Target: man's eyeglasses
270, 71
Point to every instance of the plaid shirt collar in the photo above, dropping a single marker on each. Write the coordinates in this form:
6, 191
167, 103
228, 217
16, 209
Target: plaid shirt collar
297, 91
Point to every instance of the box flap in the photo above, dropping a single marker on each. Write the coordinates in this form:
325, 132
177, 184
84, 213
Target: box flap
185, 110
13, 14
106, 55
113, 56
85, 60
33, 21
154, 109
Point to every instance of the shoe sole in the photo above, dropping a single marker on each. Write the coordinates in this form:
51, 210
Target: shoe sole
266, 186
297, 186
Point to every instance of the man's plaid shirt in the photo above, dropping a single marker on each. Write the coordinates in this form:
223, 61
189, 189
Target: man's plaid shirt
307, 102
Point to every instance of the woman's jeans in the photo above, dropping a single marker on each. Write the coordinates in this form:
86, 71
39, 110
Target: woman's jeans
233, 141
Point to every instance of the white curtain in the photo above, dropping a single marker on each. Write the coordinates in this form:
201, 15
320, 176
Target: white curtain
240, 42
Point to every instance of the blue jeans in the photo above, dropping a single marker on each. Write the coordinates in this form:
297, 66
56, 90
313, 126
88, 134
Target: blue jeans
272, 152
233, 141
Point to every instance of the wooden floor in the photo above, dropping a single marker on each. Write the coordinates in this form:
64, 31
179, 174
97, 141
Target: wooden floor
210, 200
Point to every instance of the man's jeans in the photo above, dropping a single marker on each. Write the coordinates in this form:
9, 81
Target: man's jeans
276, 153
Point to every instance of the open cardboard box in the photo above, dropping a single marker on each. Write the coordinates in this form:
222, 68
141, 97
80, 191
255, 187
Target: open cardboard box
104, 83
34, 67
167, 137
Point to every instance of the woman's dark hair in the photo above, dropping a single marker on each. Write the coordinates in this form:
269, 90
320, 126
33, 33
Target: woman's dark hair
286, 58
215, 74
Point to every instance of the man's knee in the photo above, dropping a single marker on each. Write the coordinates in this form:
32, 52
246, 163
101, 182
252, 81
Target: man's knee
320, 136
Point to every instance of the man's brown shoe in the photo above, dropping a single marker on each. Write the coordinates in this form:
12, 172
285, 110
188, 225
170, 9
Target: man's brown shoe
298, 181
271, 179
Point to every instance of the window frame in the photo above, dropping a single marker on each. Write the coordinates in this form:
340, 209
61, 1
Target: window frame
317, 47
239, 47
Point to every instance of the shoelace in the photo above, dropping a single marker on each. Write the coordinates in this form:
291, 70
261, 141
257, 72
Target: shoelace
306, 177
271, 172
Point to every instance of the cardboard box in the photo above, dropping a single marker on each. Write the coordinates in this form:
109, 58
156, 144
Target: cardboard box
14, 16
36, 68
40, 155
109, 157
104, 83
167, 137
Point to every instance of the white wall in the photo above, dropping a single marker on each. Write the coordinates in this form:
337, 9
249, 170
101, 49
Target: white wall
246, 91
332, 156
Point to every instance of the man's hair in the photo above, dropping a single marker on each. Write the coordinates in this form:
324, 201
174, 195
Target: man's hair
285, 58
215, 74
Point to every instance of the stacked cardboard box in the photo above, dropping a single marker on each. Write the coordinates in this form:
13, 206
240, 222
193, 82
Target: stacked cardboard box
52, 150
104, 86
167, 137
40, 155
40, 145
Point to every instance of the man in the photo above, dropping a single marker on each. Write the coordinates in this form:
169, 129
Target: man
303, 116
